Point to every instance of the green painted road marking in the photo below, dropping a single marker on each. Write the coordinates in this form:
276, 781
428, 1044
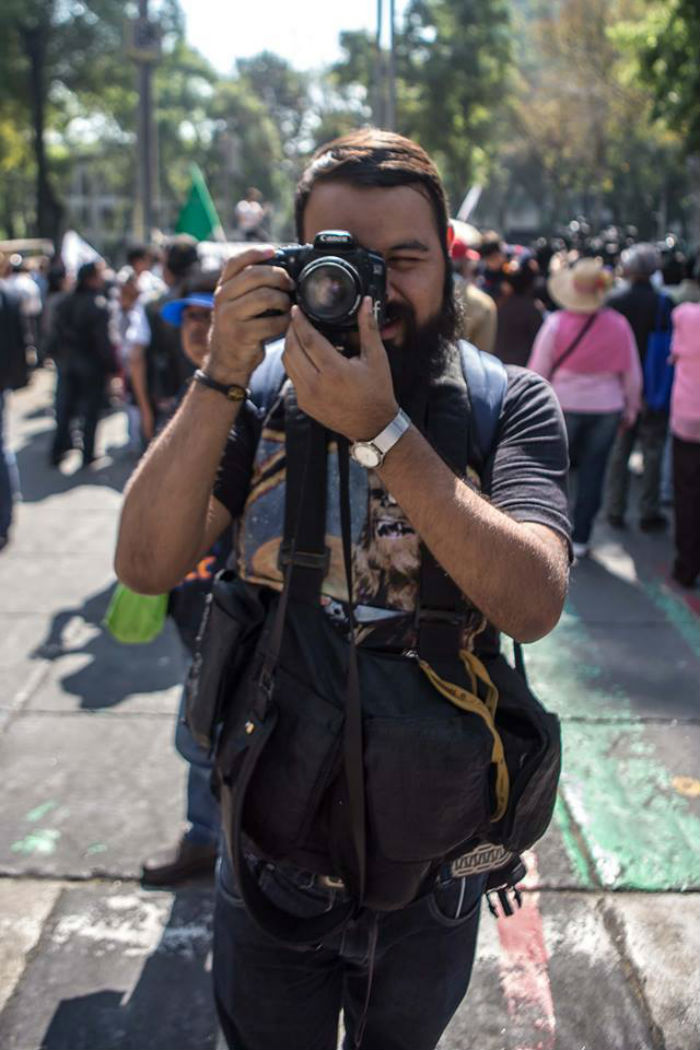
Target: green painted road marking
39, 812
42, 841
639, 831
676, 612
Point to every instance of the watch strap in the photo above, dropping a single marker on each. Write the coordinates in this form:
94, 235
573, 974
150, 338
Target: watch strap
391, 433
233, 391
385, 439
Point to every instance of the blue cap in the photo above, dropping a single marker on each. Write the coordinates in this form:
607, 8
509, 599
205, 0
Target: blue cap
172, 311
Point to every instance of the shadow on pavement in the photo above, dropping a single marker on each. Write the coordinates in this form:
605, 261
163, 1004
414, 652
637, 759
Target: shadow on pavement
635, 634
170, 1006
115, 671
39, 480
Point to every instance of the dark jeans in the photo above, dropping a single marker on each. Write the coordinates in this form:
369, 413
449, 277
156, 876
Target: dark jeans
79, 394
202, 807
686, 505
650, 428
6, 495
419, 959
591, 436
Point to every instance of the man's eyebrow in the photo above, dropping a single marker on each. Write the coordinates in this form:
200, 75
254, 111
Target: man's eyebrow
409, 246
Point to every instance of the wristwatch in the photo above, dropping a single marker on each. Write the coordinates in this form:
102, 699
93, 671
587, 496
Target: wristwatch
371, 454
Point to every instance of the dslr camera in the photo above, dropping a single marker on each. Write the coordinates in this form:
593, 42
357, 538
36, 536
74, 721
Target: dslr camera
332, 276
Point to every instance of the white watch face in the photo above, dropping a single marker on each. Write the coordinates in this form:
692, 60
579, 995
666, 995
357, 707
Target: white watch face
366, 454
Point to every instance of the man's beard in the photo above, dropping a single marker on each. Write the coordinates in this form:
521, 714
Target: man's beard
421, 357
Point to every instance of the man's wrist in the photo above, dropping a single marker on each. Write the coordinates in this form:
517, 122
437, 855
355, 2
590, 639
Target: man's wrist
230, 375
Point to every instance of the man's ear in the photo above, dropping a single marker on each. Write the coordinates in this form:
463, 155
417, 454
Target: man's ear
450, 237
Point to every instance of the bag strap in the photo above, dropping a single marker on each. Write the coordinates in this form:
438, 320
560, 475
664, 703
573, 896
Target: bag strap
305, 504
353, 749
572, 345
274, 920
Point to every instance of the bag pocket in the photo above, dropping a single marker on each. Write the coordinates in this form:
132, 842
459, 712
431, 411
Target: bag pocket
531, 738
295, 769
231, 625
427, 783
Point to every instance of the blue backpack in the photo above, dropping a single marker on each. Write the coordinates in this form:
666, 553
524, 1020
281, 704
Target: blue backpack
658, 371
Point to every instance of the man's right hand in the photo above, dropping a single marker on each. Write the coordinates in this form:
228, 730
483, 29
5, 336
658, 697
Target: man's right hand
245, 292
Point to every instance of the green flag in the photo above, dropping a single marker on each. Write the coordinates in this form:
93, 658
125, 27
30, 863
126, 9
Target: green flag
198, 216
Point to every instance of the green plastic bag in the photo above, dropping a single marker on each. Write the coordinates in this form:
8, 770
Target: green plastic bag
135, 619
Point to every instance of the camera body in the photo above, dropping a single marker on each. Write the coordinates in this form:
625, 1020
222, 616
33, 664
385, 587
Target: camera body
332, 276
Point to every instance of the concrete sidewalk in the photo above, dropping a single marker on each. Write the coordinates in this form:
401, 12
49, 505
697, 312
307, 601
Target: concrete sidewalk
603, 954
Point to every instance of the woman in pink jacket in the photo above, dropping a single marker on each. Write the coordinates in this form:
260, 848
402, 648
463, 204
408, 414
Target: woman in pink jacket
589, 355
685, 428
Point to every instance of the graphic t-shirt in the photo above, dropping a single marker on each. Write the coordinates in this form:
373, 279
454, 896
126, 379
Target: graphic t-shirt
524, 475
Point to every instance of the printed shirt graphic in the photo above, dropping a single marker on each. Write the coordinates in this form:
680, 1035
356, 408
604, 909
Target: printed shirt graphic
386, 548
526, 477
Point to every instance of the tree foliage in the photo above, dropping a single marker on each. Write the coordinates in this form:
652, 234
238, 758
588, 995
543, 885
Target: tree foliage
664, 37
567, 105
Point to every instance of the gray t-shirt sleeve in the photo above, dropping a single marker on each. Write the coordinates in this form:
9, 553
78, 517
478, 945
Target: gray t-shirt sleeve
526, 473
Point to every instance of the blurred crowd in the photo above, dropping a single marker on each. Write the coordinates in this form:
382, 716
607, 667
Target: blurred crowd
581, 309
614, 325
588, 313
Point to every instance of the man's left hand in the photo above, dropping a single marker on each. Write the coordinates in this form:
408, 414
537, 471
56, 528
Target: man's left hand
352, 396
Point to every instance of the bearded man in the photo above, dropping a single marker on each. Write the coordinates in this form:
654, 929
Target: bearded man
399, 975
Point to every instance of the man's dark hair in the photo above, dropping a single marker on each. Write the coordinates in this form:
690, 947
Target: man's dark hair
85, 273
204, 282
491, 243
374, 158
181, 255
137, 252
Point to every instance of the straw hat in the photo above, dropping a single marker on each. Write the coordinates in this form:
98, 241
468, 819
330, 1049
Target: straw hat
582, 288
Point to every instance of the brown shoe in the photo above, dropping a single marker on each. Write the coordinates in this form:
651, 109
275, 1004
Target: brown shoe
182, 861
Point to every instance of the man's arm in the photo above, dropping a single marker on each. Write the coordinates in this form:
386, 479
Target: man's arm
515, 572
169, 518
137, 374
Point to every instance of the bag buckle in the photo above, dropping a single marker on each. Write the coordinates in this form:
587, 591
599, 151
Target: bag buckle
266, 683
303, 559
438, 632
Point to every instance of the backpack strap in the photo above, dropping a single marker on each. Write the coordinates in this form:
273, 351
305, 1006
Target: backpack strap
266, 381
486, 380
438, 619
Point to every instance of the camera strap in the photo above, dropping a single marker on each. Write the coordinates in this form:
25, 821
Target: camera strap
306, 443
304, 539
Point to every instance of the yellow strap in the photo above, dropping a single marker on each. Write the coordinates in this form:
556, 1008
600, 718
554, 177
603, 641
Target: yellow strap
484, 709
477, 670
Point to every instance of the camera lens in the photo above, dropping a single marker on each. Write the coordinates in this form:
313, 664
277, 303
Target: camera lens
329, 290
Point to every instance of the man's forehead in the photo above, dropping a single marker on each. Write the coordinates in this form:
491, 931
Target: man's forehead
379, 217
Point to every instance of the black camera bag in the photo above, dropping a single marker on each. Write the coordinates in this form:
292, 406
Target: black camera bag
348, 761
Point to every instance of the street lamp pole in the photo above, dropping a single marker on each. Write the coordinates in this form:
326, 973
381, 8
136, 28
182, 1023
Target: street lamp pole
378, 101
391, 77
145, 52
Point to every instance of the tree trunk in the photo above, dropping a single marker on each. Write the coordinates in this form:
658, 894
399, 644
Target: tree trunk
49, 211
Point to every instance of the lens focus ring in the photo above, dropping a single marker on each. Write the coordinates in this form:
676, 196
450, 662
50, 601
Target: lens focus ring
329, 290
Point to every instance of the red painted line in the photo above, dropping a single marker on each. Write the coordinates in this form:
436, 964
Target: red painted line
689, 597
524, 966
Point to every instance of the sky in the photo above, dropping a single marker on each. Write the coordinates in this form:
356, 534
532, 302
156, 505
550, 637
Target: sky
305, 32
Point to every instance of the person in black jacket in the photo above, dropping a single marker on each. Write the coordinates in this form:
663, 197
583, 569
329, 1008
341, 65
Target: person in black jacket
13, 374
84, 352
166, 366
639, 303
